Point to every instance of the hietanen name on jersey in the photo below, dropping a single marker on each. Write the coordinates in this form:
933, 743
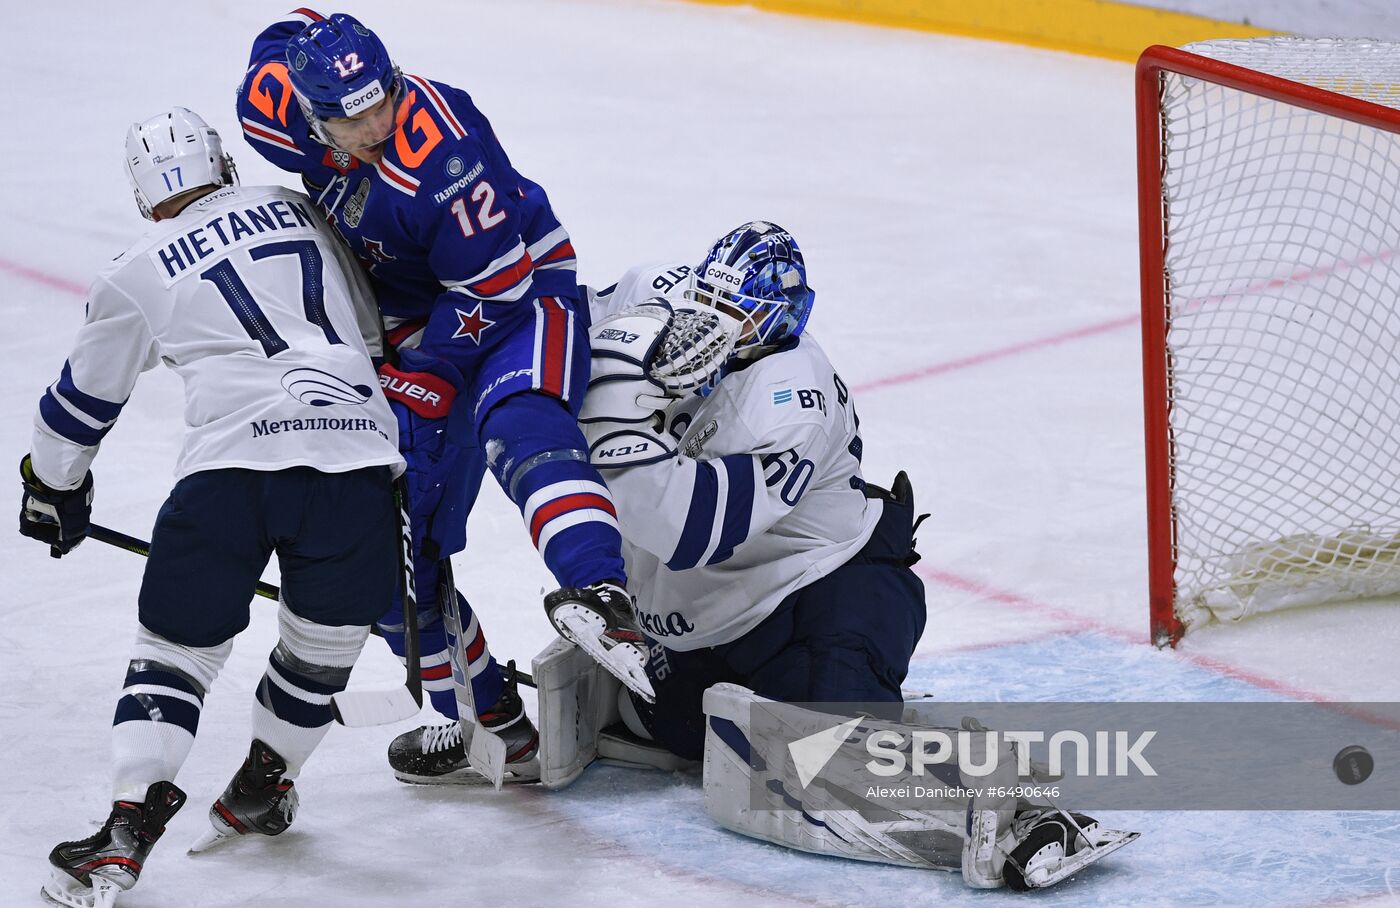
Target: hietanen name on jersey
225, 229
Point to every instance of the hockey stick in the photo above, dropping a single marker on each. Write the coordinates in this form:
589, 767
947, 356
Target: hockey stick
266, 590
486, 751
143, 548
361, 708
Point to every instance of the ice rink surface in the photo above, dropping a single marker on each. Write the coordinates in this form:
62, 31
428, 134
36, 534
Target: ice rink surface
968, 215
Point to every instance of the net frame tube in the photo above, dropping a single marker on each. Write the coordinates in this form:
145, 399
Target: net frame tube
1165, 628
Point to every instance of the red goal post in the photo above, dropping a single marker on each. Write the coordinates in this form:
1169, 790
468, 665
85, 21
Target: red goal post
1268, 290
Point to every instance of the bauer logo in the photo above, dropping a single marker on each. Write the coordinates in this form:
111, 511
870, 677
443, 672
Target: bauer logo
362, 100
322, 389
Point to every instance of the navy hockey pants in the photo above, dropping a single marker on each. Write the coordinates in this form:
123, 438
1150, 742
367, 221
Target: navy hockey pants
845, 638
335, 535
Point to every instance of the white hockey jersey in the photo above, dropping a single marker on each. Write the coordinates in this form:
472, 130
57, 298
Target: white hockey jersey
764, 497
252, 300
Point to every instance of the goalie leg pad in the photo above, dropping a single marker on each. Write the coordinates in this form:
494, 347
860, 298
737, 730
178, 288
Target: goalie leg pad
578, 698
858, 829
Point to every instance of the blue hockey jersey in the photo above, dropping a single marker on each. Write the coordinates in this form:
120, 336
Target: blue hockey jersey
443, 223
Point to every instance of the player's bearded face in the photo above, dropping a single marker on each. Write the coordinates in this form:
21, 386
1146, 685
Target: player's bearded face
364, 134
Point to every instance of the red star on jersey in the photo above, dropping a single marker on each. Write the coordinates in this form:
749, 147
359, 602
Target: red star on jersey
375, 249
472, 324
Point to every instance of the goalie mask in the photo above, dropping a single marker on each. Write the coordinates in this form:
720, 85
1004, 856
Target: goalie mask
344, 82
173, 153
756, 274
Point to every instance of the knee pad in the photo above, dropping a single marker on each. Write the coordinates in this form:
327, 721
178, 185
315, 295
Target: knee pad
306, 643
200, 664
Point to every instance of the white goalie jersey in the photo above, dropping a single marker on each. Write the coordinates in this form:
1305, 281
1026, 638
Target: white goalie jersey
251, 299
764, 496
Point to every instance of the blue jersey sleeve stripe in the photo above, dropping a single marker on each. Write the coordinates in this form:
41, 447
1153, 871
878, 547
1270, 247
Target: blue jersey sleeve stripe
66, 425
699, 520
738, 505
98, 409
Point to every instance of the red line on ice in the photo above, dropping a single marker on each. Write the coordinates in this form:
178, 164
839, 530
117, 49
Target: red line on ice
1081, 623
978, 359
40, 277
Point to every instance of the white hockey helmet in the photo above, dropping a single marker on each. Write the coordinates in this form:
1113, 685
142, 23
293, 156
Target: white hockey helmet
173, 153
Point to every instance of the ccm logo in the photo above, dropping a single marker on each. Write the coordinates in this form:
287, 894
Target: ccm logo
402, 387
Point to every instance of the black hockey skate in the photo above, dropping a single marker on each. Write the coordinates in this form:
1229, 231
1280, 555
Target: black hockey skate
256, 802
90, 872
436, 754
1055, 845
600, 621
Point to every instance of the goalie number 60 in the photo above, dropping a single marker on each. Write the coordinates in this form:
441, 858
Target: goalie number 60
797, 472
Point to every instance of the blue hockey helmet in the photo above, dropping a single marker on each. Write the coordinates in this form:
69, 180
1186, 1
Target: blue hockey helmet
339, 70
756, 273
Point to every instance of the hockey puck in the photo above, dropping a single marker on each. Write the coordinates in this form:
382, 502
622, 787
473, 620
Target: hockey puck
1353, 764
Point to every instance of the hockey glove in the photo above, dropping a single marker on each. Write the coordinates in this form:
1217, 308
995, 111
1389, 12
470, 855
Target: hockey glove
695, 351
621, 415
421, 389
651, 354
58, 517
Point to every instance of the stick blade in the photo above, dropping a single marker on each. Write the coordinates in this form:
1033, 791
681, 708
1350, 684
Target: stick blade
366, 708
486, 753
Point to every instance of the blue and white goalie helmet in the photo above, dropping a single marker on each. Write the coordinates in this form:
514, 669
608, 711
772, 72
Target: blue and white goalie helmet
341, 70
756, 274
173, 153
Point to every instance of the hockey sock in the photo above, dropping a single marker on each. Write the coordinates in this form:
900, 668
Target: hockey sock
538, 454
292, 709
436, 661
157, 714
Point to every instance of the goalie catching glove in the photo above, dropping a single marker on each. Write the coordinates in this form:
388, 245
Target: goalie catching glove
644, 358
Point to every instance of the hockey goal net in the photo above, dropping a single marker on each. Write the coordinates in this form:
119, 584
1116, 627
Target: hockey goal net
1269, 192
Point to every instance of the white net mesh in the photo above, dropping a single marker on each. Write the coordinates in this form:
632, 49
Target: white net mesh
1283, 228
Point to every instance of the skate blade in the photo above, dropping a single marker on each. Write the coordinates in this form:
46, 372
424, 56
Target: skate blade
1107, 842
210, 838
624, 661
62, 889
469, 778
